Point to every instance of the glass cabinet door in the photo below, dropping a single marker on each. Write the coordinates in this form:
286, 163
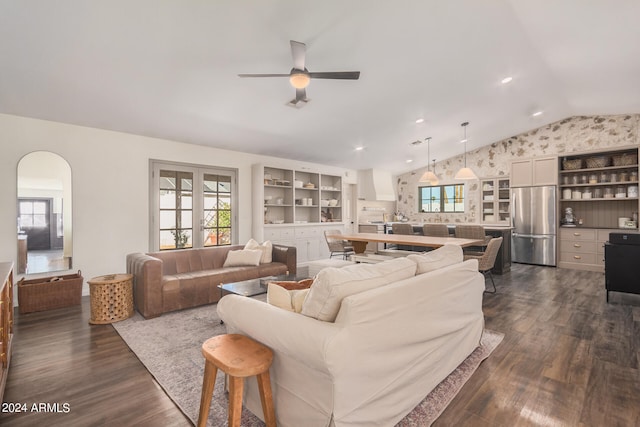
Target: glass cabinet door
495, 201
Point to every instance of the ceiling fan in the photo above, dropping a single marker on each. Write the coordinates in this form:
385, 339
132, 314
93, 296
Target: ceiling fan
299, 76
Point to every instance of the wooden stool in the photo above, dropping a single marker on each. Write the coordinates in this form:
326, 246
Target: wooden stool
238, 357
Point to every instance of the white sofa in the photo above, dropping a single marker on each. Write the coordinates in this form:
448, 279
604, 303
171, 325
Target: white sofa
388, 347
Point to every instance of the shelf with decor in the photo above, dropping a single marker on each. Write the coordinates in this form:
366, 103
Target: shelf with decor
277, 195
330, 198
604, 186
495, 203
290, 204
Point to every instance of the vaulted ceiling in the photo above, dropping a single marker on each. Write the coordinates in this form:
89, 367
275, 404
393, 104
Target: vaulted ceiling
169, 69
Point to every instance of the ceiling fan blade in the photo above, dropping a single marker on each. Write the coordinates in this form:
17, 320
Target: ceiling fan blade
263, 75
298, 52
343, 75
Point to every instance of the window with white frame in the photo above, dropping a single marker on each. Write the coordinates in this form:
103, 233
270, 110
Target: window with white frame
192, 206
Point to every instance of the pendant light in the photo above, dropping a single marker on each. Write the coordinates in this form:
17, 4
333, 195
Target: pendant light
429, 176
465, 172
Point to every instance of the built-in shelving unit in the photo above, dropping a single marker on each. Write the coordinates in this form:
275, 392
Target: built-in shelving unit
495, 205
298, 197
600, 187
295, 207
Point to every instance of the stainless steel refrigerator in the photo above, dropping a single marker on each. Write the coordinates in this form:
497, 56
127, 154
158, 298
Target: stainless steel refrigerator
533, 218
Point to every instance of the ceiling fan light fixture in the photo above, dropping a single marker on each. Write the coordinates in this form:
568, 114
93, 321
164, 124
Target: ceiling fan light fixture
299, 80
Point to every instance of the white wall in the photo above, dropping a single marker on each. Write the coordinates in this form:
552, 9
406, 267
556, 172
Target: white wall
110, 173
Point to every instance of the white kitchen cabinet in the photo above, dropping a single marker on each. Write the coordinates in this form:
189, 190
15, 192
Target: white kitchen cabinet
534, 172
495, 201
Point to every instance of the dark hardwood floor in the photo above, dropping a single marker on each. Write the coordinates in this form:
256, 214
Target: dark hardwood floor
59, 358
568, 359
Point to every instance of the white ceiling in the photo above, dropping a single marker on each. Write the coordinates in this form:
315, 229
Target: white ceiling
169, 69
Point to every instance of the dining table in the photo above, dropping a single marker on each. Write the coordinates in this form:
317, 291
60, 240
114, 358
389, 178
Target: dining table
360, 240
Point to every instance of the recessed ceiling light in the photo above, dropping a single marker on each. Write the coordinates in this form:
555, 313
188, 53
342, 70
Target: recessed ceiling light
506, 80
463, 140
418, 121
537, 113
360, 148
409, 160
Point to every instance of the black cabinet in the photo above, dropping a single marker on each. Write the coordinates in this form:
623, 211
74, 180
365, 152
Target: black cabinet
503, 261
621, 268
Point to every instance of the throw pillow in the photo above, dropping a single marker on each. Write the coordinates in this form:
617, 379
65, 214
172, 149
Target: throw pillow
332, 285
290, 300
266, 248
243, 257
437, 258
293, 285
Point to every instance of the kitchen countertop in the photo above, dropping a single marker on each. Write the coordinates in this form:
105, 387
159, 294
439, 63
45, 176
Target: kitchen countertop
420, 224
586, 227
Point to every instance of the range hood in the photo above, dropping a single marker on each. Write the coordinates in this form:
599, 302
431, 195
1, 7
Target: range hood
376, 184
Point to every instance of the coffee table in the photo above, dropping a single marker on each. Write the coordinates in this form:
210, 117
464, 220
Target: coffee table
253, 287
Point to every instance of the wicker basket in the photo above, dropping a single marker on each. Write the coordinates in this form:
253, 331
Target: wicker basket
598, 162
625, 159
48, 293
572, 164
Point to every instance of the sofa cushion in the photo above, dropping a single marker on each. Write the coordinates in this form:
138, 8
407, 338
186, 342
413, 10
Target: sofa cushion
265, 247
243, 257
437, 258
331, 285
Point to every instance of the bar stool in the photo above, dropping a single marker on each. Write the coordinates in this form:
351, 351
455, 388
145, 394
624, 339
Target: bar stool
238, 357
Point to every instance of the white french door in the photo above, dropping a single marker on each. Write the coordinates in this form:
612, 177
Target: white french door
192, 206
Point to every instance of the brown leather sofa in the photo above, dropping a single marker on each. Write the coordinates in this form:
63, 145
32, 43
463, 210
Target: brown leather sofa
173, 280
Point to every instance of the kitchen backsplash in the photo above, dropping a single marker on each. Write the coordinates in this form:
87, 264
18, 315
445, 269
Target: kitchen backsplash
374, 210
575, 134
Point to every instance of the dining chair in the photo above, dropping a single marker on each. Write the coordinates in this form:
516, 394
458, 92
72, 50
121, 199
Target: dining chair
338, 246
435, 230
487, 259
475, 232
406, 229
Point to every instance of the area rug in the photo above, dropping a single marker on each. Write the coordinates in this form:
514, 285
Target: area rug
169, 346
